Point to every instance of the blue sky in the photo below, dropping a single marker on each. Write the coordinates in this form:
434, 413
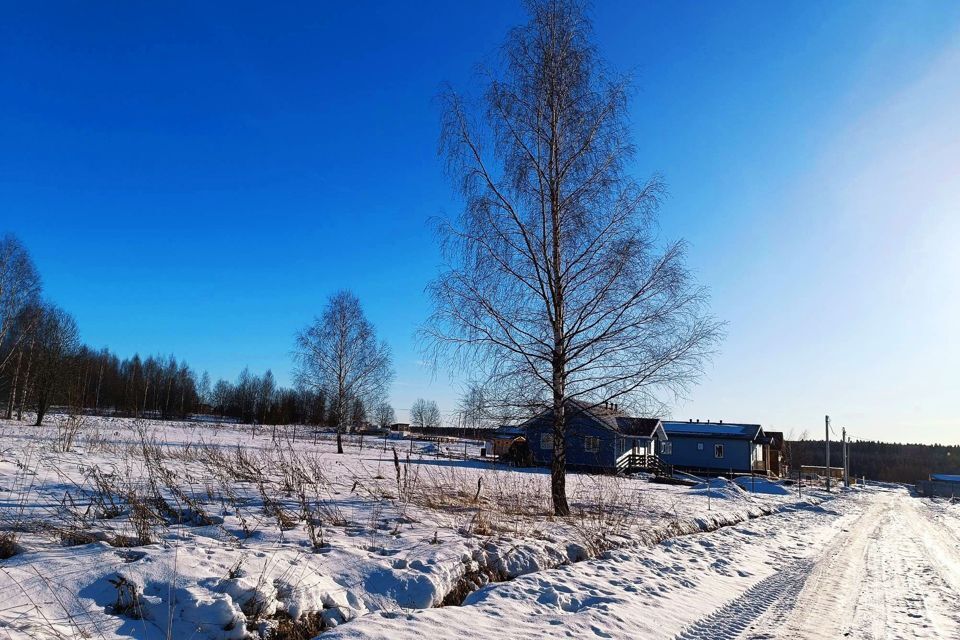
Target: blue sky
197, 180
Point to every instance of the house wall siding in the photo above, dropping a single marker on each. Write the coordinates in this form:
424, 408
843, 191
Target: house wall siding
579, 427
685, 453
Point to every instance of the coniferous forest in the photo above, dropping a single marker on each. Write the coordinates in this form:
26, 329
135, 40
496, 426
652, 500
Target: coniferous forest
884, 461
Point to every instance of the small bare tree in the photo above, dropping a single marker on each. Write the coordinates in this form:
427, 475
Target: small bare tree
385, 415
266, 391
220, 396
556, 288
425, 414
474, 406
204, 391
340, 355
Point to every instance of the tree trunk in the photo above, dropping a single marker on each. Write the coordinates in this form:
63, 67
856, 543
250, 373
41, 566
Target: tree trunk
166, 402
341, 408
41, 406
26, 383
96, 400
558, 467
83, 389
13, 386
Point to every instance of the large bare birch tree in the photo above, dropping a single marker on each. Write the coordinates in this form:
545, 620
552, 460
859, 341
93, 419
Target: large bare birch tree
340, 355
556, 287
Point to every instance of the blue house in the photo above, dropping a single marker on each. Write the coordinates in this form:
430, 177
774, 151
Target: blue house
715, 447
598, 438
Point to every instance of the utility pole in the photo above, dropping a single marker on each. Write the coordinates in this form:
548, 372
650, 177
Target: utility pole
846, 467
827, 422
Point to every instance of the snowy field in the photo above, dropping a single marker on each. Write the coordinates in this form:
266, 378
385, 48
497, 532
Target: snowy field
185, 530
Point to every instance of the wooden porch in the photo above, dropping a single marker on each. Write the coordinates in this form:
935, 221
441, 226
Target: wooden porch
631, 462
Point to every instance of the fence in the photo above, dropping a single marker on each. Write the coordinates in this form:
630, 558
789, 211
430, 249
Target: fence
931, 488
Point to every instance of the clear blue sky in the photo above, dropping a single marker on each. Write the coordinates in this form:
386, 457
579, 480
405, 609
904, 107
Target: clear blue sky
197, 180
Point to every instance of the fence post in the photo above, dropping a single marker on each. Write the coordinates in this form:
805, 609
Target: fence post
827, 429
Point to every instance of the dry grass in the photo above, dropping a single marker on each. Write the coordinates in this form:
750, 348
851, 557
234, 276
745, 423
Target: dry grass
307, 626
8, 544
68, 428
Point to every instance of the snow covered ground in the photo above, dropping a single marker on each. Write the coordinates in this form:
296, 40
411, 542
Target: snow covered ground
874, 563
185, 530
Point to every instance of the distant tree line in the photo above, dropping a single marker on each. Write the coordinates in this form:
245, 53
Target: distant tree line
884, 461
43, 364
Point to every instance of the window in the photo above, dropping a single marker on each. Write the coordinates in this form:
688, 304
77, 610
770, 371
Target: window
591, 444
718, 451
546, 441
699, 446
666, 448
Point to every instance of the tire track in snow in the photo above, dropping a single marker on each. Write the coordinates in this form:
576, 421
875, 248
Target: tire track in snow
778, 591
762, 609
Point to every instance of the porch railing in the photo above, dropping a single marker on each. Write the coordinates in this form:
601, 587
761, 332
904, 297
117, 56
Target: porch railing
636, 461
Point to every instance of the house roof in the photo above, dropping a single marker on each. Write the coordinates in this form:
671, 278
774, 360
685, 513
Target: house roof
640, 427
615, 420
776, 438
945, 477
726, 430
508, 431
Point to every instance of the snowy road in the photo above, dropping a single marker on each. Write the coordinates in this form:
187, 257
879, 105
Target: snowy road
872, 564
894, 573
